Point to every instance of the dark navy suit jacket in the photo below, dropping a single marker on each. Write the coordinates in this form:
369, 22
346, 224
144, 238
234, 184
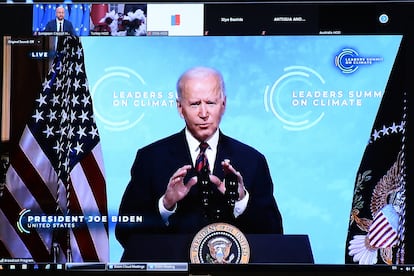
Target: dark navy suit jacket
67, 27
156, 163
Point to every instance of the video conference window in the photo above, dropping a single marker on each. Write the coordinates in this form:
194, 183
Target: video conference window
90, 19
311, 109
117, 19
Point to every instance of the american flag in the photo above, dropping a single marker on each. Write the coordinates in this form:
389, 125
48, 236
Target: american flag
58, 169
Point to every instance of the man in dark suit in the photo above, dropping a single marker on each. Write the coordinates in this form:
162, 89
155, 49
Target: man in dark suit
165, 187
59, 24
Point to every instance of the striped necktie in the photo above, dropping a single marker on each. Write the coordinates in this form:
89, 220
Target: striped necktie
202, 161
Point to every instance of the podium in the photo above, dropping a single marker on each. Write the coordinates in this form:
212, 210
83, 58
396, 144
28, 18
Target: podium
264, 248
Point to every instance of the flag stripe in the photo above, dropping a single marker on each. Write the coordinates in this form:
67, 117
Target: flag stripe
19, 195
32, 241
378, 224
93, 173
85, 196
11, 241
388, 240
3, 250
34, 184
82, 234
381, 234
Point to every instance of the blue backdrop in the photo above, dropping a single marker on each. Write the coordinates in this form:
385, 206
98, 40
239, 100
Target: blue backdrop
78, 14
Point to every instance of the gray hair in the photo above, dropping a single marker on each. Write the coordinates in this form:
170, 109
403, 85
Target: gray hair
197, 72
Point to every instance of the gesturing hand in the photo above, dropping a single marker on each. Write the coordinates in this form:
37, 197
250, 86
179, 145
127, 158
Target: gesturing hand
176, 188
228, 168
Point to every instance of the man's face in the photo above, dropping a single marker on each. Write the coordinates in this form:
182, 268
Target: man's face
60, 13
202, 105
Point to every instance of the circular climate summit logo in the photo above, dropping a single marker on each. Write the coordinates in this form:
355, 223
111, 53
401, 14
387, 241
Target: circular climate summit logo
349, 60
281, 98
111, 90
345, 60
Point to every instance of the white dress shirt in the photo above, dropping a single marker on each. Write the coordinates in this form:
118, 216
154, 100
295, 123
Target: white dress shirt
58, 25
211, 153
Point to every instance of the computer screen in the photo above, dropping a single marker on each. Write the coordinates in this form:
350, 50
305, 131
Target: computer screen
315, 93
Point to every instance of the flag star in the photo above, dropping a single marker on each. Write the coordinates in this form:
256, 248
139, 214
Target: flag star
38, 115
55, 100
84, 116
48, 131
41, 100
85, 100
51, 115
58, 147
78, 68
376, 135
76, 84
384, 130
79, 52
94, 132
75, 100
58, 83
46, 84
78, 148
394, 128
81, 132
62, 131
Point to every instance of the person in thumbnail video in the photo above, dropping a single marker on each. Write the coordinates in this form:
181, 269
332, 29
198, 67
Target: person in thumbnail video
60, 24
165, 183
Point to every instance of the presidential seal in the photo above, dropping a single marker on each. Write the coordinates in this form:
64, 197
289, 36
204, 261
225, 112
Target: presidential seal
219, 243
